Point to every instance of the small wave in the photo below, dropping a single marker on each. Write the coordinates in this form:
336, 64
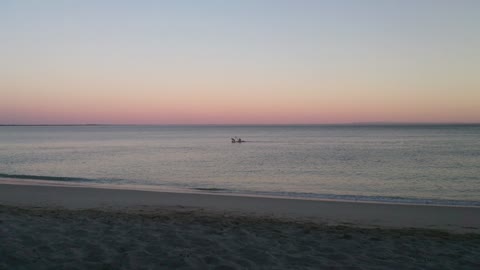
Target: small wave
299, 195
211, 189
50, 178
365, 198
347, 198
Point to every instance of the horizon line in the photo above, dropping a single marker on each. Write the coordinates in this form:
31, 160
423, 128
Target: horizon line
259, 124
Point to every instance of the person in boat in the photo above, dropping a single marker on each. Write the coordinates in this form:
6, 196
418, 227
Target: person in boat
240, 140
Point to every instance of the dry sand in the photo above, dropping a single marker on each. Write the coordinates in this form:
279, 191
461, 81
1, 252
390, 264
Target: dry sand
45, 227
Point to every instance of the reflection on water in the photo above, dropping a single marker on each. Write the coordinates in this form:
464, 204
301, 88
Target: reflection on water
429, 162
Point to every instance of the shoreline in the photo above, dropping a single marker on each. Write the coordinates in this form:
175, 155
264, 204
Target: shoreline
225, 192
66, 227
457, 219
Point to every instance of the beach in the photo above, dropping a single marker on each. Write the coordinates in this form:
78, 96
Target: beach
45, 227
240, 135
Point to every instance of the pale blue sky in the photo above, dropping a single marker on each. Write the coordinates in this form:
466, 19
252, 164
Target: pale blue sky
377, 52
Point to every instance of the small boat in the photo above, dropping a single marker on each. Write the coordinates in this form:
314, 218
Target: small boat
239, 140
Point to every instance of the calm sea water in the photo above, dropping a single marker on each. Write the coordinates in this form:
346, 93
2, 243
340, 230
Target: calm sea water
437, 164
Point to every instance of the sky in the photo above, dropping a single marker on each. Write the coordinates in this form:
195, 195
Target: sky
239, 62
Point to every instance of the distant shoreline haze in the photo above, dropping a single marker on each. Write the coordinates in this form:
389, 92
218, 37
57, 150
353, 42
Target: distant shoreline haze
247, 124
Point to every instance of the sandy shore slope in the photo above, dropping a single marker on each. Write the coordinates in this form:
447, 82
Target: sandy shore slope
149, 238
45, 227
452, 218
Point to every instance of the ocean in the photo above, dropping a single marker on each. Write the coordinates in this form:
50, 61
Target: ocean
423, 164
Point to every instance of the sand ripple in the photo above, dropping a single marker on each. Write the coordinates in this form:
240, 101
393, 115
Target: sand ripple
193, 239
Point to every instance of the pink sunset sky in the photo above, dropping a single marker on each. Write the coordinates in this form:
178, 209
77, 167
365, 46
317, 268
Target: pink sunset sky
245, 62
